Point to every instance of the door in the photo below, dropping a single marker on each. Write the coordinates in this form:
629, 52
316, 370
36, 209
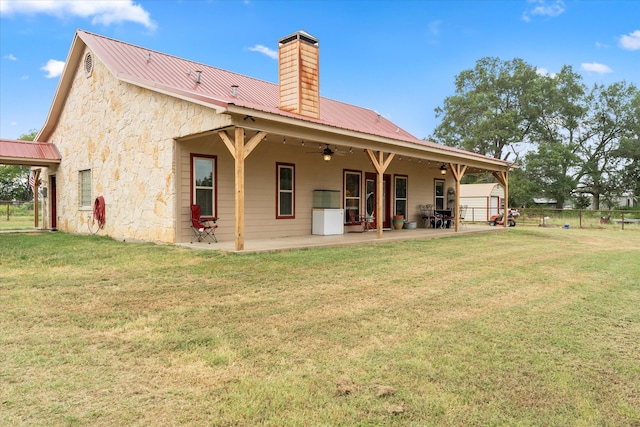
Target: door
494, 206
371, 181
53, 202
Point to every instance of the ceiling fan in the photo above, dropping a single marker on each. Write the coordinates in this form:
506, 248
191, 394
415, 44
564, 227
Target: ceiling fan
327, 153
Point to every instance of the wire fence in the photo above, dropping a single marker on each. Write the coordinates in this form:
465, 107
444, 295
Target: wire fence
568, 218
581, 218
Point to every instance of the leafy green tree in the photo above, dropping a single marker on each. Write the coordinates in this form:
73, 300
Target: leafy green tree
14, 180
557, 134
521, 189
493, 108
610, 127
629, 151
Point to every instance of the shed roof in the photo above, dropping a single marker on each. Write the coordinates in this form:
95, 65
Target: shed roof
27, 153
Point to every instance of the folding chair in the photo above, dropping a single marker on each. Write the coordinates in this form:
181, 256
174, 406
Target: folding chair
203, 229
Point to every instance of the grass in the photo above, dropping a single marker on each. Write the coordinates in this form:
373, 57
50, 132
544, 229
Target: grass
16, 217
16, 222
536, 326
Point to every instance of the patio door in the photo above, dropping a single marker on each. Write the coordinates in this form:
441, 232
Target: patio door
370, 186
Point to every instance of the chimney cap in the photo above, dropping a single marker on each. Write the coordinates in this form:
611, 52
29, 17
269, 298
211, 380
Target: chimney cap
299, 35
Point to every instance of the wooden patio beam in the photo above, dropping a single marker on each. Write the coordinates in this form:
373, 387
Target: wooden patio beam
458, 172
240, 151
381, 164
503, 178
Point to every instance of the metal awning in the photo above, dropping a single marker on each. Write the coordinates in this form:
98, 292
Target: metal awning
27, 153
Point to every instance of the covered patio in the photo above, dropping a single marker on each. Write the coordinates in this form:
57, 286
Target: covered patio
317, 241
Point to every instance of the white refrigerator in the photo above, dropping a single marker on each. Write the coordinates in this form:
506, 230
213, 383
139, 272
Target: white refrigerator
327, 221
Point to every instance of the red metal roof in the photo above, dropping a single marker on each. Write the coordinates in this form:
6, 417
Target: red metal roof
27, 153
177, 76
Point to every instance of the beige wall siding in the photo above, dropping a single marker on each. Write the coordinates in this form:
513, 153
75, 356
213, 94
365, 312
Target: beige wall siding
311, 173
125, 135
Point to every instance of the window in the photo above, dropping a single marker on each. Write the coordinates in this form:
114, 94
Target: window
84, 188
439, 194
286, 191
401, 195
203, 184
352, 192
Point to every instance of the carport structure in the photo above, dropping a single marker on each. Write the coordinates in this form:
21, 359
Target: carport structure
35, 155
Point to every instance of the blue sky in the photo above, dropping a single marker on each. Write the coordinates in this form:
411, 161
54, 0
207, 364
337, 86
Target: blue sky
398, 58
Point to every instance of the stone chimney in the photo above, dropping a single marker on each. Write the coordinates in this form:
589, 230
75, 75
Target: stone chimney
298, 57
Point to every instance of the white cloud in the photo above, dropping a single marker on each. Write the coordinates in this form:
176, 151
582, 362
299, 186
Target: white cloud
24, 77
602, 45
544, 72
544, 8
104, 12
265, 51
53, 68
10, 57
596, 68
632, 41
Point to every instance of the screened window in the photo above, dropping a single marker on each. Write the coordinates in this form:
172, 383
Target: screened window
286, 191
84, 188
401, 195
352, 191
439, 194
204, 185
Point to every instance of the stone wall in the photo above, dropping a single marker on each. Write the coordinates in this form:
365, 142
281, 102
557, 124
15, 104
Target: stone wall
125, 135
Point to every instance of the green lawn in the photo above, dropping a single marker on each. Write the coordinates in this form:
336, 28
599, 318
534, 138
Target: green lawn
16, 222
537, 326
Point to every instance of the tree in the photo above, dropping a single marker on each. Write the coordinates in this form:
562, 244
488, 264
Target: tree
14, 180
494, 106
613, 123
556, 135
629, 151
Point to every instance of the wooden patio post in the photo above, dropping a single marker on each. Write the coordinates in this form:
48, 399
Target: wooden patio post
240, 151
239, 166
36, 187
381, 166
503, 178
458, 172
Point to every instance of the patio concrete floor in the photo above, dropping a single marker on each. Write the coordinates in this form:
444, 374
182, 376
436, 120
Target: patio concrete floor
316, 241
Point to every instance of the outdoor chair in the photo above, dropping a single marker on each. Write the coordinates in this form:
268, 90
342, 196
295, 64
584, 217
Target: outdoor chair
424, 216
203, 229
437, 220
434, 219
449, 219
429, 218
463, 213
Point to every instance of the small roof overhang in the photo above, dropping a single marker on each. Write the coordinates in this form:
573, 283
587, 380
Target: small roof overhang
27, 153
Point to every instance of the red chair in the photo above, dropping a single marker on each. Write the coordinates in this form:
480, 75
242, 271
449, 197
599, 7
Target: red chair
203, 229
